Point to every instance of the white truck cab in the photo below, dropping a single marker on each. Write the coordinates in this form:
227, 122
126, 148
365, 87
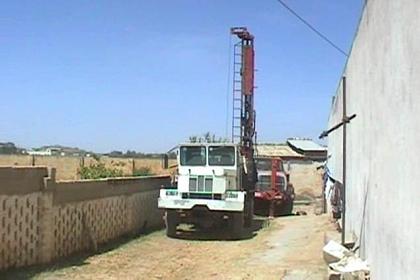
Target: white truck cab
208, 180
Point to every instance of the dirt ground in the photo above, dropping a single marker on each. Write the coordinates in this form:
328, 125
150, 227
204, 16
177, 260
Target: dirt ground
283, 248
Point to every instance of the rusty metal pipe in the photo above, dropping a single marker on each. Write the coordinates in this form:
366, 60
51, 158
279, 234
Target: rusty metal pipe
335, 127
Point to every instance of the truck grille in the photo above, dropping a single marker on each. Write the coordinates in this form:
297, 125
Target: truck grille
208, 185
201, 184
215, 196
193, 184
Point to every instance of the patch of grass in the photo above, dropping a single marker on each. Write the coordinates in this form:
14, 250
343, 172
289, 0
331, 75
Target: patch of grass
142, 171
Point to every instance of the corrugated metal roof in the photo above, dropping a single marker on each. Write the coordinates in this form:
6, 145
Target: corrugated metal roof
276, 150
306, 145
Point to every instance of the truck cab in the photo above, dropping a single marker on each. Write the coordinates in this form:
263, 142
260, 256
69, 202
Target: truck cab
274, 194
207, 188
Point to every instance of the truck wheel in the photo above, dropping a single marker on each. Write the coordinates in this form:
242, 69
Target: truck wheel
237, 225
171, 222
286, 208
289, 207
289, 204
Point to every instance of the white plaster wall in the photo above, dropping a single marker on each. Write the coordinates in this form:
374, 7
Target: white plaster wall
383, 156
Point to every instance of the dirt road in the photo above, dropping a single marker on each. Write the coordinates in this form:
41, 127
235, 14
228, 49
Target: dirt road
286, 248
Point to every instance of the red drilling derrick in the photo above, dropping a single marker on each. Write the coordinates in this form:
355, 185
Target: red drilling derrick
243, 122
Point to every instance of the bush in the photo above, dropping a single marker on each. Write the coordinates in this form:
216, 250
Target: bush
98, 170
142, 171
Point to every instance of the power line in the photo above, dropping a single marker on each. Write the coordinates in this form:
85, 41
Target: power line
325, 38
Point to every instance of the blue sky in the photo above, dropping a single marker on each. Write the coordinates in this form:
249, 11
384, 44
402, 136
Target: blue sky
144, 75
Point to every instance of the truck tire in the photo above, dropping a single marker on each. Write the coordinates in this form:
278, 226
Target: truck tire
237, 225
289, 207
285, 209
171, 222
289, 203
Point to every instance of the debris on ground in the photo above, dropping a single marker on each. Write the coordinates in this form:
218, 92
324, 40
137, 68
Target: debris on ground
333, 252
343, 263
301, 213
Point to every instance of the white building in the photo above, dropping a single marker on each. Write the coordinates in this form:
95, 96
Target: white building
382, 176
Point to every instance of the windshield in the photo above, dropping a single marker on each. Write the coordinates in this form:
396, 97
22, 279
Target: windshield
193, 155
266, 164
221, 155
264, 183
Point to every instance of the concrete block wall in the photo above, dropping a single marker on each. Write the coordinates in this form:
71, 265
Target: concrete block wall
19, 231
383, 140
42, 219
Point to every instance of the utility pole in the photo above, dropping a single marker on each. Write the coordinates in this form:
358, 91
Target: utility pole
343, 217
345, 120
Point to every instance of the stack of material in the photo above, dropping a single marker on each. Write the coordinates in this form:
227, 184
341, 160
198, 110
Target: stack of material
343, 263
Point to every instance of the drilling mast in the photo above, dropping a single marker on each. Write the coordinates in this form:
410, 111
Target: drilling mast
243, 122
243, 116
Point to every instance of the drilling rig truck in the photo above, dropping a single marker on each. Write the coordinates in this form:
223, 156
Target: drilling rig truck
216, 181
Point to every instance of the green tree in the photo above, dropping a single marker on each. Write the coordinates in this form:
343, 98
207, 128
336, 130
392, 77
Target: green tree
207, 137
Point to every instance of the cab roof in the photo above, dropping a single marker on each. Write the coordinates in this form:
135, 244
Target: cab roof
227, 144
208, 144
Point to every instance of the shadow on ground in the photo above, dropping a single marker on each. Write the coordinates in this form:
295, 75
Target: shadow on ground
220, 233
78, 259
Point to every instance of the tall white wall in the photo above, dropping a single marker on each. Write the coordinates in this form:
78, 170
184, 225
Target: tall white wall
383, 141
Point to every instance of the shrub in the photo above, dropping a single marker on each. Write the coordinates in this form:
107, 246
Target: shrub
98, 170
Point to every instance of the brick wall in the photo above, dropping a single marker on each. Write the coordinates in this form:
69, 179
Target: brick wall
42, 219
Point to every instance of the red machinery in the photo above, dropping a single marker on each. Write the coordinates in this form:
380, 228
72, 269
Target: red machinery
274, 193
275, 196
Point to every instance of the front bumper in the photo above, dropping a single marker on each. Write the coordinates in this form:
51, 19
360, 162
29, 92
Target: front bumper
171, 199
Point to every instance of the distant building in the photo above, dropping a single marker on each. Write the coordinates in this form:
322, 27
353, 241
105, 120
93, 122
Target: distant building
57, 151
302, 170
272, 150
40, 152
308, 149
